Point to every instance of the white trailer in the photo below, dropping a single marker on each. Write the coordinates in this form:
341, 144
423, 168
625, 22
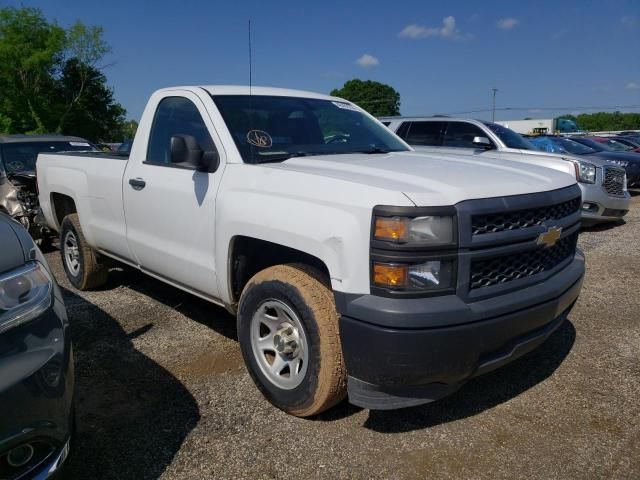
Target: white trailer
543, 126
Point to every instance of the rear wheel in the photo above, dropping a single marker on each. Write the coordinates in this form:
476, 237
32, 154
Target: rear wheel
80, 261
288, 332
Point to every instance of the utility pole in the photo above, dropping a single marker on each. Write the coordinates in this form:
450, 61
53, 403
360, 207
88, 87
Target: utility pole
493, 116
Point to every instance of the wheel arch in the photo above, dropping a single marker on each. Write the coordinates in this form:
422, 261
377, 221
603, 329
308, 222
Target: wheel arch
61, 206
250, 255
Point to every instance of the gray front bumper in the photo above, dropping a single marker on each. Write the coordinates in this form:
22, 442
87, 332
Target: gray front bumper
602, 203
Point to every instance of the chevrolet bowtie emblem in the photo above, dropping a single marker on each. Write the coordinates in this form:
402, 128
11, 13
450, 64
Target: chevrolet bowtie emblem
550, 237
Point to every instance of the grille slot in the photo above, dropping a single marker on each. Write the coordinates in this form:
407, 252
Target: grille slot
518, 219
499, 270
613, 182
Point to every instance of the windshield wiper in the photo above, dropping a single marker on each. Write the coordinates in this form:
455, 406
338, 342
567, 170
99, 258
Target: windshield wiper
279, 156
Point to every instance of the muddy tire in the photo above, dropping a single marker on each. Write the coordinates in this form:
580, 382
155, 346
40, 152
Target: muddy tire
288, 333
78, 258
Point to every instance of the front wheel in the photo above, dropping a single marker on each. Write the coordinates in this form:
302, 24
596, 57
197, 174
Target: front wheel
80, 261
288, 333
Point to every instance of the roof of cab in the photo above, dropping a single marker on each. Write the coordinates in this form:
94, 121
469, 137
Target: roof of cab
244, 90
49, 137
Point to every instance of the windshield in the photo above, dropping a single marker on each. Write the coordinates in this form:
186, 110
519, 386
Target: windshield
21, 156
587, 142
273, 128
510, 138
561, 145
614, 145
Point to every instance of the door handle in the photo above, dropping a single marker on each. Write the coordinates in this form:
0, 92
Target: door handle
137, 183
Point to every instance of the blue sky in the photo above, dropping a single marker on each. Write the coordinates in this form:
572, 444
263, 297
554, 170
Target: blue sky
443, 57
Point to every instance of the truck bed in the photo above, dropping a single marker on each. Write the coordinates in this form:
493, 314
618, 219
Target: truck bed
93, 180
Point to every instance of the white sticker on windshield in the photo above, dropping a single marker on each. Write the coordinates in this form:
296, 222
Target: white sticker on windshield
346, 106
79, 144
259, 138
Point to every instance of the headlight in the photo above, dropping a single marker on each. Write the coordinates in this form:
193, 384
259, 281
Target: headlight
428, 230
622, 163
24, 294
430, 275
585, 172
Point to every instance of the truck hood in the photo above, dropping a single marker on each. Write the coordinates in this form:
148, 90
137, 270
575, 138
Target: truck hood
541, 159
632, 158
432, 179
597, 161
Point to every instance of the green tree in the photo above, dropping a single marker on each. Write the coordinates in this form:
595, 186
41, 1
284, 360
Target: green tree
85, 48
89, 108
606, 121
51, 79
376, 98
30, 53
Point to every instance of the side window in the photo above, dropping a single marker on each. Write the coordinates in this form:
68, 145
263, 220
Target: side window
175, 116
403, 129
386, 124
460, 134
424, 133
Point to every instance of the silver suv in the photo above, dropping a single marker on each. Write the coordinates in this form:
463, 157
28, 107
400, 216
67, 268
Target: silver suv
603, 184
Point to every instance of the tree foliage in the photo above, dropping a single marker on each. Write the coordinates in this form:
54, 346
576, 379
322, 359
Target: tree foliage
376, 98
51, 79
606, 121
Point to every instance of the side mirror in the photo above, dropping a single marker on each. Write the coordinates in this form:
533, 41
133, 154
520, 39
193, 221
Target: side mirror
482, 142
186, 151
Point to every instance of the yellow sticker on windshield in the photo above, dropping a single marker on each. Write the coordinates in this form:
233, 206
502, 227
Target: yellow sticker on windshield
259, 138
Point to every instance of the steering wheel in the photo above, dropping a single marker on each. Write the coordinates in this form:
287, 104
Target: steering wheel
340, 137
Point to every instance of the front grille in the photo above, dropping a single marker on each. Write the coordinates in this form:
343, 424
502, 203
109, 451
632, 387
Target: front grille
498, 270
517, 219
613, 182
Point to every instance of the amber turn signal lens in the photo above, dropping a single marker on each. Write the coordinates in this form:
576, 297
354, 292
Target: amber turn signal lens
393, 228
389, 275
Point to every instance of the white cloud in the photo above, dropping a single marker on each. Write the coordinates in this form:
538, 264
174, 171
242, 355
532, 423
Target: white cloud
367, 60
507, 23
632, 86
447, 30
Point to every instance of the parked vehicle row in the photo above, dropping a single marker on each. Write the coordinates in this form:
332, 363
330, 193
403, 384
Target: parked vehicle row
617, 144
604, 194
356, 266
18, 192
36, 361
589, 149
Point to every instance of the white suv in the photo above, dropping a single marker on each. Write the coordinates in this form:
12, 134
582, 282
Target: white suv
603, 184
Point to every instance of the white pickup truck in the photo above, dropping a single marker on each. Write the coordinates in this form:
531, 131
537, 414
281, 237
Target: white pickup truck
355, 265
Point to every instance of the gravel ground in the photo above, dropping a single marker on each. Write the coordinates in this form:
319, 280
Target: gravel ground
162, 393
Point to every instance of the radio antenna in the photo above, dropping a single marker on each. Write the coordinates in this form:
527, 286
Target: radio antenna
250, 62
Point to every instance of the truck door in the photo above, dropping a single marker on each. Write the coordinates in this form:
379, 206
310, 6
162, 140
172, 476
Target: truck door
169, 208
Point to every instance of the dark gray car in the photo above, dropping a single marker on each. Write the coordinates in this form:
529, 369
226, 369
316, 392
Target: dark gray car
36, 362
18, 192
628, 160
